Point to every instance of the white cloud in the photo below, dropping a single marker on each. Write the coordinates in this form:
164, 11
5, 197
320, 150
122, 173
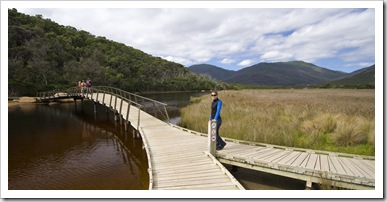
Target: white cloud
361, 64
180, 60
245, 63
227, 61
276, 56
197, 35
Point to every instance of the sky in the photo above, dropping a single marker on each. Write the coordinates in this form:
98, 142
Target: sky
340, 39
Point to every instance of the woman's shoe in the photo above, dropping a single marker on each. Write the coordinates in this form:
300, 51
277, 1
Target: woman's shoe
222, 146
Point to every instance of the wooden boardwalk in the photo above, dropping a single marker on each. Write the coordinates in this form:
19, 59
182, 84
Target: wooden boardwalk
178, 157
339, 170
177, 160
327, 168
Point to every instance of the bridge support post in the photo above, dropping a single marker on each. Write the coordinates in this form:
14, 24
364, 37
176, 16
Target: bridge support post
308, 185
126, 125
95, 108
121, 120
75, 104
116, 116
136, 135
212, 137
127, 117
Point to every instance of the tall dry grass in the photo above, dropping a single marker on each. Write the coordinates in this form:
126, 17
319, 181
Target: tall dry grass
326, 119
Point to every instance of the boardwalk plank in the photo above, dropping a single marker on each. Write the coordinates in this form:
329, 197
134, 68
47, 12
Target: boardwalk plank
268, 154
336, 164
237, 148
179, 160
318, 163
214, 186
166, 184
289, 158
312, 161
350, 167
278, 155
301, 158
369, 163
189, 173
324, 163
356, 164
176, 177
248, 151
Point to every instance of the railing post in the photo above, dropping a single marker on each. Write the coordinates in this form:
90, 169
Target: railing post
95, 107
212, 137
115, 102
122, 100
96, 97
138, 119
127, 117
166, 112
110, 103
154, 109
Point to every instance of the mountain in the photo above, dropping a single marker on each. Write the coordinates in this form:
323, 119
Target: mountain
291, 73
283, 74
361, 78
212, 71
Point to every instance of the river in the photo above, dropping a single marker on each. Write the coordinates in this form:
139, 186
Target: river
69, 147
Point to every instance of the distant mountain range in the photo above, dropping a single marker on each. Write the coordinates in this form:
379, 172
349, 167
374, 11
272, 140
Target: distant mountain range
293, 73
361, 77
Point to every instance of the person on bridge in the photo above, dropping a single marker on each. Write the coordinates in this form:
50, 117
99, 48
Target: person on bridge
216, 106
80, 85
88, 86
83, 87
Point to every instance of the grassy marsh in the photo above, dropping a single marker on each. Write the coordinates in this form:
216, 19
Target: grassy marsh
337, 120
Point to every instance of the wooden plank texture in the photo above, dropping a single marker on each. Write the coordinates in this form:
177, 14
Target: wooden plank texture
177, 157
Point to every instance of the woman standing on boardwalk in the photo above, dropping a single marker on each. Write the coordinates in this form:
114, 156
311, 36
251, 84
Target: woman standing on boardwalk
216, 106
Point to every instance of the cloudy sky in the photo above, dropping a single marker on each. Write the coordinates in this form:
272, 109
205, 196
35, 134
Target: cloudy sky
233, 38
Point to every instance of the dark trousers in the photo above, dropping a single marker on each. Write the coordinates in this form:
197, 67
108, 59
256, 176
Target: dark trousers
219, 140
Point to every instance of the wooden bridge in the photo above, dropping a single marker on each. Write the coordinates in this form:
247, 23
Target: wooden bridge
179, 158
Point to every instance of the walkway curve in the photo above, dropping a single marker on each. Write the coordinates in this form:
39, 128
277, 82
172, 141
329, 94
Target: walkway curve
177, 159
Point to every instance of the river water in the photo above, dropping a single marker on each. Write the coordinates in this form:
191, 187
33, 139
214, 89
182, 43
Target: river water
67, 146
60, 147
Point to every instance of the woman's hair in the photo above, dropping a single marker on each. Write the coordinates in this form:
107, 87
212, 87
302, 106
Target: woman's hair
214, 91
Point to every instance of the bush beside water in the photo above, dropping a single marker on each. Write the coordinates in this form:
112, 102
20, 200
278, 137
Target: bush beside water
337, 120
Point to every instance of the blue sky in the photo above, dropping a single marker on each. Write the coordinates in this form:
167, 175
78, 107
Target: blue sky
340, 39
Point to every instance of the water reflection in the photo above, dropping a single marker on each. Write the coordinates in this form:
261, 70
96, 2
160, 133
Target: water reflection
175, 102
63, 147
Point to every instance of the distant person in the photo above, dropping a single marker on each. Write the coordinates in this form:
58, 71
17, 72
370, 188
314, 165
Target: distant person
80, 85
88, 86
216, 106
83, 87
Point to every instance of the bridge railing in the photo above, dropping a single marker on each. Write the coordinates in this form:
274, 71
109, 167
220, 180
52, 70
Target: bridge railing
52, 94
154, 107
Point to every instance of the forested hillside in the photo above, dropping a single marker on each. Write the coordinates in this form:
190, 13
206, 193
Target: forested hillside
44, 55
363, 78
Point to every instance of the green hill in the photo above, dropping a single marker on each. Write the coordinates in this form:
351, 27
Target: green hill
363, 78
212, 71
44, 55
293, 73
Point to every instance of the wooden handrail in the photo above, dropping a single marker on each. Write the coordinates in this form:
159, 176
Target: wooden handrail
127, 96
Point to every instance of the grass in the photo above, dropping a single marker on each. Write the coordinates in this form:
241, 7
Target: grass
337, 120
